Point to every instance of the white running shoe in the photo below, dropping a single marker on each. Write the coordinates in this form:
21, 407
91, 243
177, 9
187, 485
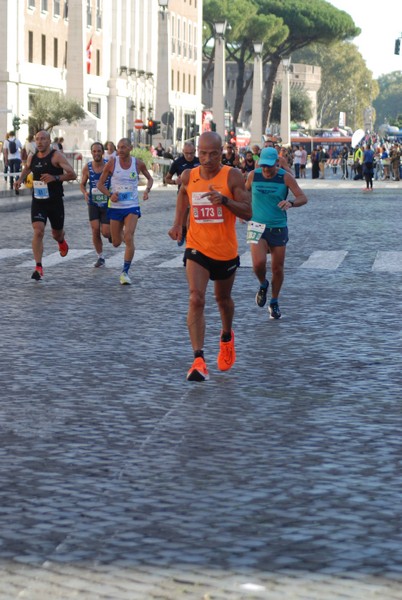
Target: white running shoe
125, 279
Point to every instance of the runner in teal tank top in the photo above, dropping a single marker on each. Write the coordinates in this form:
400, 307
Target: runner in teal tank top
267, 231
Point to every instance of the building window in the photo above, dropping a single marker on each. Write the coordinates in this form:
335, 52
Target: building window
65, 55
89, 14
31, 3
189, 84
30, 46
65, 10
195, 85
44, 5
55, 52
172, 80
43, 49
56, 8
178, 81
94, 107
184, 82
98, 63
98, 14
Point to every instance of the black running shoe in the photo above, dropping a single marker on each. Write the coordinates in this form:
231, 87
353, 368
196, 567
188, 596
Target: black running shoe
274, 312
37, 274
261, 296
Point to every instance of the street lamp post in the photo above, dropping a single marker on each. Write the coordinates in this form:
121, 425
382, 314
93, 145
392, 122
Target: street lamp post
219, 88
163, 85
256, 107
285, 102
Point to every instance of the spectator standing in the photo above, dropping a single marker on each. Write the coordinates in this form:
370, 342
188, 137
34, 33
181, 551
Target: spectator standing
368, 167
297, 161
344, 162
13, 149
395, 160
303, 162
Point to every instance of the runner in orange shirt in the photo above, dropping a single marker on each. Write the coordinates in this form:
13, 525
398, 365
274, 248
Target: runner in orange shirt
216, 195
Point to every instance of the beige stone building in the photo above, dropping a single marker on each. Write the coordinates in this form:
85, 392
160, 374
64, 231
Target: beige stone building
125, 61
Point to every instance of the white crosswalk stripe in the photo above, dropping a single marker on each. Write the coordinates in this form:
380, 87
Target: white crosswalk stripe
54, 259
10, 252
177, 261
245, 260
388, 261
326, 260
116, 260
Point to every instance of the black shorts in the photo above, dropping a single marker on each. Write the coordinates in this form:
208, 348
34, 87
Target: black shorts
98, 213
218, 269
42, 210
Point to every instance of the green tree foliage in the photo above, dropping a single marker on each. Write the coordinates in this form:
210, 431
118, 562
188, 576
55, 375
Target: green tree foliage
300, 105
283, 25
388, 104
315, 21
51, 108
346, 83
245, 27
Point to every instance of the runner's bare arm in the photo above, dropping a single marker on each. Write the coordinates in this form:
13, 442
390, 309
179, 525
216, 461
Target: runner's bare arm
25, 171
241, 203
143, 169
182, 204
84, 179
300, 196
250, 180
107, 170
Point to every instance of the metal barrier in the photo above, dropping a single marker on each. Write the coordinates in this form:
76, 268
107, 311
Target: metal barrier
75, 160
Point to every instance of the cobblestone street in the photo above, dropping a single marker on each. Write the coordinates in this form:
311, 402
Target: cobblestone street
280, 479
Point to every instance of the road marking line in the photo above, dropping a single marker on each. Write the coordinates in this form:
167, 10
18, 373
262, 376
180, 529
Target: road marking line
54, 259
117, 259
388, 261
177, 261
9, 252
325, 259
246, 261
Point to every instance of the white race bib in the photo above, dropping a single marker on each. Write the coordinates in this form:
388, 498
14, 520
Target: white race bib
41, 191
254, 232
204, 211
98, 197
125, 193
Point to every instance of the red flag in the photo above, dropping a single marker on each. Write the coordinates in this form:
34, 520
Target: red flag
89, 55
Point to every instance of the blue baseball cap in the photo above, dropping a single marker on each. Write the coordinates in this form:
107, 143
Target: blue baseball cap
268, 157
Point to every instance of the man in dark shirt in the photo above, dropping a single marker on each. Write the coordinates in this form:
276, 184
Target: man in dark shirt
50, 168
188, 160
230, 157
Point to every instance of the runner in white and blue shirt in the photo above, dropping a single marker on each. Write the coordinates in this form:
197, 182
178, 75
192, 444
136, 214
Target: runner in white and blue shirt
123, 201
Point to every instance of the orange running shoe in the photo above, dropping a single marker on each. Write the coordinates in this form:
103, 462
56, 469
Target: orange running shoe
63, 248
198, 370
227, 354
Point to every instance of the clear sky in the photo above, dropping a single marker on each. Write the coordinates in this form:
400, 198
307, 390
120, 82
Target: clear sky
381, 24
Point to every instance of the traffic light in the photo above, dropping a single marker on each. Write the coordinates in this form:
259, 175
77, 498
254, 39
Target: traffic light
397, 46
16, 123
154, 127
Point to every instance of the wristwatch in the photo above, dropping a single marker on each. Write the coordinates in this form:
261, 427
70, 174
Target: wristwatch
292, 202
57, 177
224, 200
